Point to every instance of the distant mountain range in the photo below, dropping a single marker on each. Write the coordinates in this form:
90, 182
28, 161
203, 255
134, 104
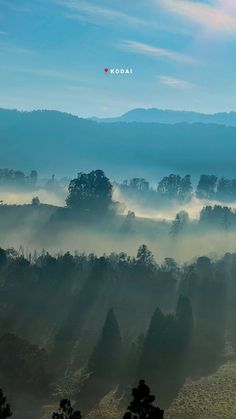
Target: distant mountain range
54, 142
154, 115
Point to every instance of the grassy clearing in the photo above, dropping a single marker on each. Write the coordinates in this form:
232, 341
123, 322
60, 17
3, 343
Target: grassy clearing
212, 397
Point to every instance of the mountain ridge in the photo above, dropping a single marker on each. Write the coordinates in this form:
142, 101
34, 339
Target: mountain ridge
168, 116
54, 142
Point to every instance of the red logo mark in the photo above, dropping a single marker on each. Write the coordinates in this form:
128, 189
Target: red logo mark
106, 70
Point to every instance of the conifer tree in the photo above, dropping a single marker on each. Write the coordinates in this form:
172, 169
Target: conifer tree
105, 360
151, 361
104, 364
141, 407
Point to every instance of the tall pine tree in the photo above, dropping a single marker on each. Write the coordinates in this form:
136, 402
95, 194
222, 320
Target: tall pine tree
163, 359
104, 364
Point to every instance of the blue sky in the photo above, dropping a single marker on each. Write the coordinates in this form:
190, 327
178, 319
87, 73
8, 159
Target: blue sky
53, 54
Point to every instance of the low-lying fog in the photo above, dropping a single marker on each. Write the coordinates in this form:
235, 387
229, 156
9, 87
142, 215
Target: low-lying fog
151, 226
162, 211
20, 197
166, 211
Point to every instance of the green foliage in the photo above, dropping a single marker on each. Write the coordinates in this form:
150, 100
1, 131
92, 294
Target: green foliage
90, 191
218, 216
145, 257
206, 187
175, 187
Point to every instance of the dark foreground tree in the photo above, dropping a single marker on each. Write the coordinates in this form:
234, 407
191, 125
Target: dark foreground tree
66, 411
5, 410
141, 407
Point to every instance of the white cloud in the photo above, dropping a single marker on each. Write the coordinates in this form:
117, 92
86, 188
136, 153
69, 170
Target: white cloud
219, 16
149, 50
97, 14
176, 83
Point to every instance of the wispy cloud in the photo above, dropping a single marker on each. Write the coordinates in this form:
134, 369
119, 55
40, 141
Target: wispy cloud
96, 14
47, 73
15, 7
219, 16
3, 33
14, 49
176, 83
99, 15
149, 50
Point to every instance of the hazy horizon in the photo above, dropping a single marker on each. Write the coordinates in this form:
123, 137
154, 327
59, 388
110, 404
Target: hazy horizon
125, 111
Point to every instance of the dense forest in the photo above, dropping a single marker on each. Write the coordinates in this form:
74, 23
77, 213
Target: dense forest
79, 326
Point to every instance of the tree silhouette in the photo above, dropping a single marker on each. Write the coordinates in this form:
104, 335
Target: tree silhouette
33, 177
90, 191
104, 364
206, 187
145, 256
5, 410
169, 186
186, 189
35, 201
180, 222
66, 411
141, 407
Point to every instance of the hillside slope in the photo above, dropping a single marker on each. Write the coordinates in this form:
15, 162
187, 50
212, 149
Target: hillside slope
57, 142
212, 397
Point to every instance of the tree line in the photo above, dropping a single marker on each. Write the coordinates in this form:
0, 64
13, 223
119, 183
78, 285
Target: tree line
217, 217
180, 188
173, 186
17, 177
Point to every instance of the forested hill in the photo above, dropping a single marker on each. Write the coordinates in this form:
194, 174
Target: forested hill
64, 144
168, 116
